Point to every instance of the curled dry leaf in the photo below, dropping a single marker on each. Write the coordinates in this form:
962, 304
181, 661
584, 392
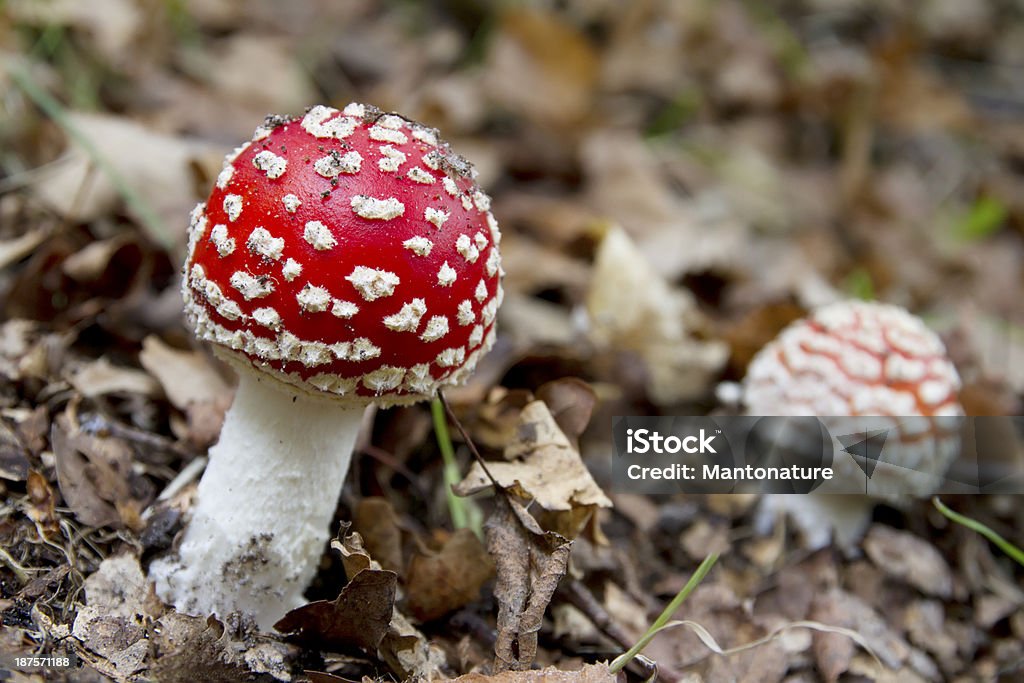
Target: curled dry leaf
529, 562
442, 582
184, 646
96, 478
408, 652
631, 308
13, 463
15, 249
402, 647
354, 557
543, 467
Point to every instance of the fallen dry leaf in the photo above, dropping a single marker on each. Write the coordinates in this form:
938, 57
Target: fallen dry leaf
571, 402
377, 524
187, 377
155, 165
96, 478
13, 461
192, 385
590, 673
14, 250
529, 563
111, 628
100, 377
542, 67
409, 653
907, 558
545, 467
358, 616
184, 645
403, 647
442, 582
834, 652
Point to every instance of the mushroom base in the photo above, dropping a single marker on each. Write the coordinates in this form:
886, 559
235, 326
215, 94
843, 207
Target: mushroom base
264, 505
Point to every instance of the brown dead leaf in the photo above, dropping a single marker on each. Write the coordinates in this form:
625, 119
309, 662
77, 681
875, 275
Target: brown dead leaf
590, 673
187, 377
155, 165
91, 261
96, 478
571, 402
111, 628
185, 645
409, 653
546, 468
542, 67
442, 582
359, 616
834, 652
14, 250
13, 459
246, 61
377, 524
529, 563
192, 385
498, 416
909, 559
100, 377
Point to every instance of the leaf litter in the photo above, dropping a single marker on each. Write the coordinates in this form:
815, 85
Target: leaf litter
759, 160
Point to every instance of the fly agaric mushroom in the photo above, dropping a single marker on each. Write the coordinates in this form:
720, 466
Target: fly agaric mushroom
861, 360
344, 258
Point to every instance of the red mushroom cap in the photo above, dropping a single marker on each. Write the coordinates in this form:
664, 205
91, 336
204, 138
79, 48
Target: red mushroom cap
866, 360
347, 252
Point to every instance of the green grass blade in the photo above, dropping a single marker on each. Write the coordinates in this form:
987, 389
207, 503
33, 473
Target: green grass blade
663, 619
1010, 549
457, 507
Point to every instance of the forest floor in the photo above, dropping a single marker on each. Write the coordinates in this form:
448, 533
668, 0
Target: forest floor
755, 160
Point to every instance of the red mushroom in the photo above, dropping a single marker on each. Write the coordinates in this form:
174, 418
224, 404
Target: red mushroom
863, 360
343, 258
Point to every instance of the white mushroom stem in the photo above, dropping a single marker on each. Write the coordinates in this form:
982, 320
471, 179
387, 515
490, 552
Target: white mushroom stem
265, 503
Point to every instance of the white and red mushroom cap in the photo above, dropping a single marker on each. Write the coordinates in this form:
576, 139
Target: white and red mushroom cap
347, 252
862, 359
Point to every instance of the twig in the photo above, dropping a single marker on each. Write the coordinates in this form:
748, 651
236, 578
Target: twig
469, 442
579, 596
